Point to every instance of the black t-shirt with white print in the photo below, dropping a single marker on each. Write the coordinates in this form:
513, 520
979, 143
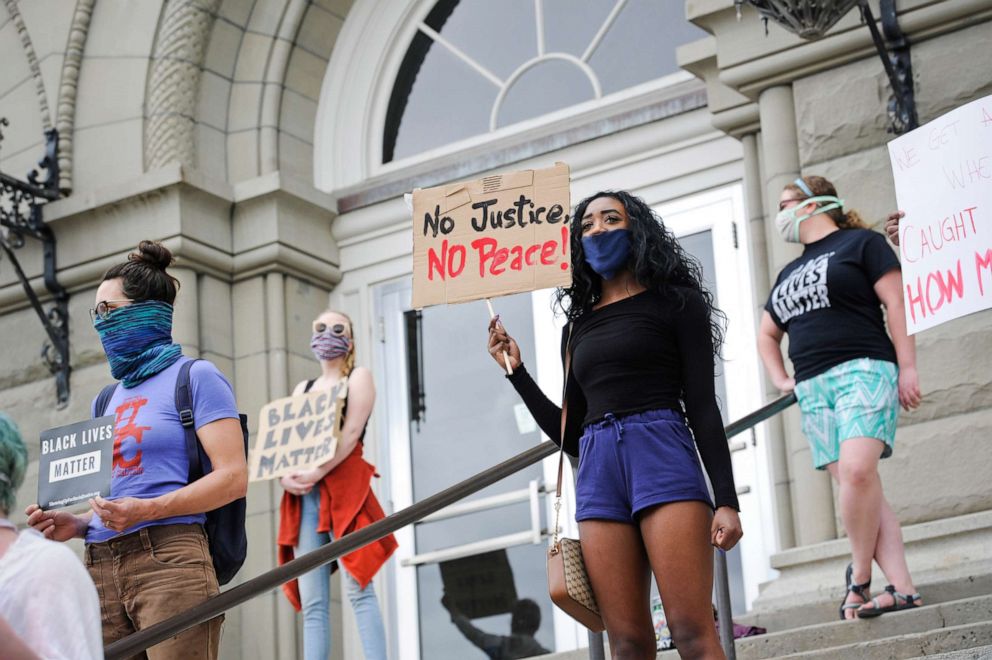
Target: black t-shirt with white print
826, 301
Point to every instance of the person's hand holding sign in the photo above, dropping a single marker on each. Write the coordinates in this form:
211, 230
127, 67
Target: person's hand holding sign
121, 514
892, 226
500, 342
55, 524
292, 483
310, 478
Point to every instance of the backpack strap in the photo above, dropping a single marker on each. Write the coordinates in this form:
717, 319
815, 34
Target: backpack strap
103, 400
309, 385
184, 406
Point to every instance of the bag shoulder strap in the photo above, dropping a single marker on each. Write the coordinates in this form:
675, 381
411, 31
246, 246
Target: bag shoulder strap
184, 406
564, 409
103, 400
309, 385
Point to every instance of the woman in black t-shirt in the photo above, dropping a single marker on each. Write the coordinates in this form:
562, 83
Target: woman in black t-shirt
850, 377
643, 343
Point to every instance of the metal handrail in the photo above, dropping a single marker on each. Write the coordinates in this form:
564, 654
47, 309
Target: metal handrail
761, 414
721, 578
213, 607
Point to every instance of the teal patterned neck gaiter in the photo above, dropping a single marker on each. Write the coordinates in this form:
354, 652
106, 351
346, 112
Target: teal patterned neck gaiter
138, 341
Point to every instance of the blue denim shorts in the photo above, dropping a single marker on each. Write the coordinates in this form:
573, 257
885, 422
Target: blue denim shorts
630, 463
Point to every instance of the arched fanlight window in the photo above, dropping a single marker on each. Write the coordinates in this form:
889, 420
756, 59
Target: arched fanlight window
475, 66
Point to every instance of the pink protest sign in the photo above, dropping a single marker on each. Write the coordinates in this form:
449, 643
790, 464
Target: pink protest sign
943, 179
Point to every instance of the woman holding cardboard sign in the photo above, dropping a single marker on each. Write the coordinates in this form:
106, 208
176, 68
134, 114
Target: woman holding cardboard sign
850, 376
335, 498
641, 344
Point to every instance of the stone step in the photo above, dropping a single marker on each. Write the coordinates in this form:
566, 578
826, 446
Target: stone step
926, 644
816, 638
977, 653
929, 630
821, 606
949, 558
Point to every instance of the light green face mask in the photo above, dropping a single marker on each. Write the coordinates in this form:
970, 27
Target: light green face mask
787, 222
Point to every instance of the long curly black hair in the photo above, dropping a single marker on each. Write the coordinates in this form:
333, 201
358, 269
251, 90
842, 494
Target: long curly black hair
657, 260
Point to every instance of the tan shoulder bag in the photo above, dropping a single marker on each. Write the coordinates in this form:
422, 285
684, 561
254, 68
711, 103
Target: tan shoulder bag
568, 581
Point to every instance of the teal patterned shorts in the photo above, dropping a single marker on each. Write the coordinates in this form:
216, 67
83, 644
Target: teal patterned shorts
858, 398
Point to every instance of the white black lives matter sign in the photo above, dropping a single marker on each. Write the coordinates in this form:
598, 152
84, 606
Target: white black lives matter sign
75, 462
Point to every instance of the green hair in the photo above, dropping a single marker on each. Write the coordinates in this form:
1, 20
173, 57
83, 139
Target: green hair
13, 462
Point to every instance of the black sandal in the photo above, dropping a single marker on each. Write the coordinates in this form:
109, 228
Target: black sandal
857, 589
909, 601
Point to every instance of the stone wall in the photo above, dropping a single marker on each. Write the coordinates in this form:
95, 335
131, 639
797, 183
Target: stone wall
261, 80
819, 107
936, 470
190, 122
841, 118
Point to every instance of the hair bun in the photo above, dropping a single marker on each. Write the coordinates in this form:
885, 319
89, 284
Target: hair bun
153, 254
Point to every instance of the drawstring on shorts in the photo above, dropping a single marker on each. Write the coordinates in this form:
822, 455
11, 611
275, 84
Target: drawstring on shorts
617, 425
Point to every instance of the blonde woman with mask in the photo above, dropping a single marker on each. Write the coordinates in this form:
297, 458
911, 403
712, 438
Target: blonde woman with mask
850, 375
335, 498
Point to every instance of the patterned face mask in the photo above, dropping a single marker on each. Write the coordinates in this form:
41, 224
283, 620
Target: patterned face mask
137, 339
328, 346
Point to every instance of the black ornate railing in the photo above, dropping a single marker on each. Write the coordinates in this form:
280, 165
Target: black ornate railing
209, 609
21, 205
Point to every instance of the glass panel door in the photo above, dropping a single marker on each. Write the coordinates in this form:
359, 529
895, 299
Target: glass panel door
485, 554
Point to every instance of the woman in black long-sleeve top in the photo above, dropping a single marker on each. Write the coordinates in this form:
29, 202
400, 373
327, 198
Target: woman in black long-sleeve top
643, 340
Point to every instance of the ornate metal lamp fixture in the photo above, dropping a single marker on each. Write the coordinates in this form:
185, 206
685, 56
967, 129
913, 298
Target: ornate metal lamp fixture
810, 19
20, 215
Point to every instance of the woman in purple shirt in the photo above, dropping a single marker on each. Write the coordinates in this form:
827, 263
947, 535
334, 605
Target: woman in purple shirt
146, 549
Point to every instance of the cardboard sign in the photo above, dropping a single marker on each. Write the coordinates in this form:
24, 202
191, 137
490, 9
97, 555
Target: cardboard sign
297, 433
480, 585
943, 177
75, 462
502, 234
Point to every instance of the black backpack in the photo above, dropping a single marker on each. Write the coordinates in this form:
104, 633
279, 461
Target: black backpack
225, 526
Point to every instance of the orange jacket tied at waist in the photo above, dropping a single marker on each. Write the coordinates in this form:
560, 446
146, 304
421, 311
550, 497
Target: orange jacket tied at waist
347, 503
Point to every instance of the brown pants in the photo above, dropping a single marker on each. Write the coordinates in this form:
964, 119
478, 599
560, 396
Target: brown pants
149, 575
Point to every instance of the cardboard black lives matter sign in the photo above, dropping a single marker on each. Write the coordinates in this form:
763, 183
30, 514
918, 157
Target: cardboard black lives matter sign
480, 585
75, 462
296, 433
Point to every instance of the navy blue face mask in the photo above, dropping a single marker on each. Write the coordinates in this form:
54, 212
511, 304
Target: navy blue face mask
607, 252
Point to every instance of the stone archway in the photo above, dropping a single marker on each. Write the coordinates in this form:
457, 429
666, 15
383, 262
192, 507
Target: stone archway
233, 87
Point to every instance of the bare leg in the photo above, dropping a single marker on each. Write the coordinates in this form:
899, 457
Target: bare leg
618, 570
677, 538
851, 598
860, 504
890, 553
